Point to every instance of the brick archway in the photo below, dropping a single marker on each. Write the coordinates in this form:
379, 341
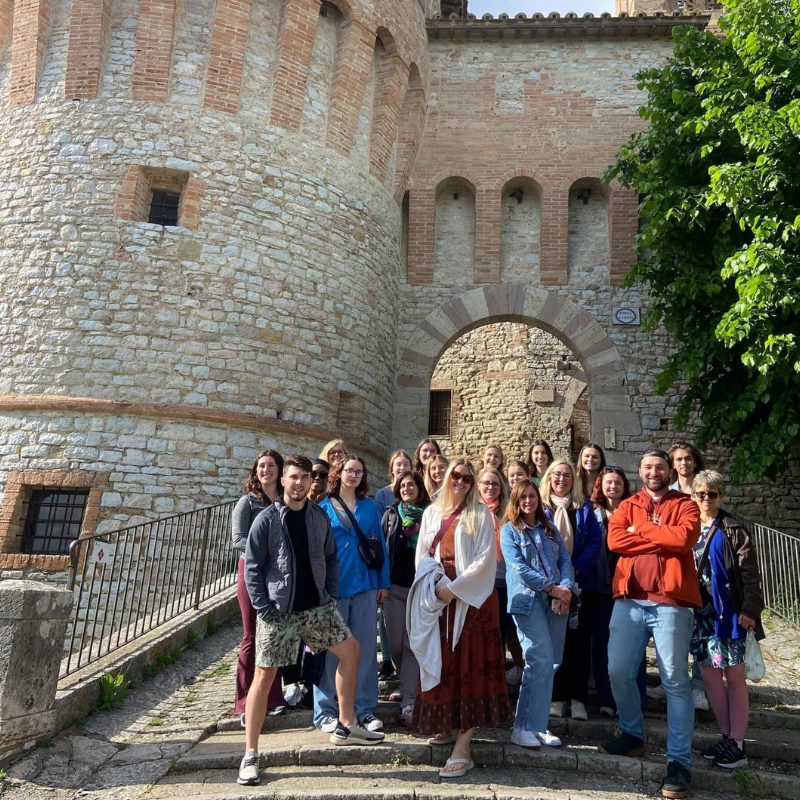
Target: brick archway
610, 402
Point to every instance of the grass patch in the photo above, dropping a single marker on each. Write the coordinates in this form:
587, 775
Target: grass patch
161, 660
121, 746
192, 697
155, 722
113, 690
45, 743
222, 670
748, 784
212, 626
401, 759
192, 637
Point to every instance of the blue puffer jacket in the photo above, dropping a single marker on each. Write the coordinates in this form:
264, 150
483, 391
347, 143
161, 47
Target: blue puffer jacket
354, 576
523, 552
586, 546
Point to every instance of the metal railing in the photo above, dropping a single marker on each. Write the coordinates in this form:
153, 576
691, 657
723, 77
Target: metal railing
778, 556
130, 581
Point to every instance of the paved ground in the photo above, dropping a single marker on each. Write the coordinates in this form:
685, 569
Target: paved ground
127, 753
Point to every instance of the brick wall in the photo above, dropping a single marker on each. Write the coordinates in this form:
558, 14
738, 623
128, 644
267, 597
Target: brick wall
89, 32
155, 32
28, 46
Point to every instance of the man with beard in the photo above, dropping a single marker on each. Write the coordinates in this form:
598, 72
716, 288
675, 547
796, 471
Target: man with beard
292, 576
656, 591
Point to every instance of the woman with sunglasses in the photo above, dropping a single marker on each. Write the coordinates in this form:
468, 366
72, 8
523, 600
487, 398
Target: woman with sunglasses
401, 523
261, 487
492, 493
540, 587
573, 516
472, 690
319, 481
434, 472
610, 489
361, 591
540, 456
730, 589
425, 449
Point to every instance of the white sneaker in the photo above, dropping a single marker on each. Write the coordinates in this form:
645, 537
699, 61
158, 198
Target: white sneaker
241, 721
524, 738
371, 723
656, 692
328, 724
248, 769
557, 708
578, 710
699, 700
607, 711
547, 738
514, 676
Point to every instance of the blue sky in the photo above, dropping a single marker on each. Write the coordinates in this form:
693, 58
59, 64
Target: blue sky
511, 7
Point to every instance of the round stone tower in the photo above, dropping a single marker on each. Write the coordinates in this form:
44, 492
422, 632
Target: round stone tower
200, 205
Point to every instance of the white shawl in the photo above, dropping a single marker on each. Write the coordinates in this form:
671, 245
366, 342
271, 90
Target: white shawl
423, 609
476, 561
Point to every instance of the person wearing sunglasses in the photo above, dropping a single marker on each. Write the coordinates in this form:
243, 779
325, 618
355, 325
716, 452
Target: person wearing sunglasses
319, 481
573, 515
361, 590
655, 590
472, 689
730, 588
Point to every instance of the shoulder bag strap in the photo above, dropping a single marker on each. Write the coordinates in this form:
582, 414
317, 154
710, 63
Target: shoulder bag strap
445, 525
349, 513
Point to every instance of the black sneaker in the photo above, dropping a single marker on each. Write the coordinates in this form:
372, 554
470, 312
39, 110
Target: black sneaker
676, 781
386, 671
732, 757
623, 745
712, 752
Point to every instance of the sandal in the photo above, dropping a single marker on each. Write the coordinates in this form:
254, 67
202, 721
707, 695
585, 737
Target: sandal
446, 740
467, 763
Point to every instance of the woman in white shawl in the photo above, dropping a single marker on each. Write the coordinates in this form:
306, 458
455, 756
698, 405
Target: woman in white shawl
472, 687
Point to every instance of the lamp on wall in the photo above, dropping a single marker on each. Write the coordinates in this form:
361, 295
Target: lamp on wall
517, 195
455, 195
584, 194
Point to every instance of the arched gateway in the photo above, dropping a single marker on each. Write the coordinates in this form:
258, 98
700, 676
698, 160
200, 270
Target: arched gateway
610, 401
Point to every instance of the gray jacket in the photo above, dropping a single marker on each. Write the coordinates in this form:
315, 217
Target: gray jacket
269, 566
247, 508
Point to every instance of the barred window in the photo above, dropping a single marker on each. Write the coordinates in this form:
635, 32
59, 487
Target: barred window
164, 208
439, 415
53, 520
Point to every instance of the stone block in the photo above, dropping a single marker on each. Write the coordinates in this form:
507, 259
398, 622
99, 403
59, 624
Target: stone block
615, 766
33, 623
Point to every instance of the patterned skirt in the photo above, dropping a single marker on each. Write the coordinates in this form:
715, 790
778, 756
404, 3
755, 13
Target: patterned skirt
709, 650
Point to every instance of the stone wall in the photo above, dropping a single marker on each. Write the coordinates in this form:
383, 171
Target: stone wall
511, 384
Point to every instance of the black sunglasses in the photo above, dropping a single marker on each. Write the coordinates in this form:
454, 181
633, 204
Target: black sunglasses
709, 495
315, 476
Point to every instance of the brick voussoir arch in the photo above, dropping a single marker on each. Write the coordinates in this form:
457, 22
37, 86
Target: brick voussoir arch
449, 178
548, 310
506, 177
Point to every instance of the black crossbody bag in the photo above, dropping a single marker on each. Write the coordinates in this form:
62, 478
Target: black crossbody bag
370, 550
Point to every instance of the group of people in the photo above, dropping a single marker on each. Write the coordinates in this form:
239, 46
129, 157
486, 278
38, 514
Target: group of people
561, 566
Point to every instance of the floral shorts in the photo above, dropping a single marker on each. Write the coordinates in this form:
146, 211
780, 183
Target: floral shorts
708, 649
278, 636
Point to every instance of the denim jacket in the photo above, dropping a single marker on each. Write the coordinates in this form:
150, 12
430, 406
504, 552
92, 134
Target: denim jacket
526, 575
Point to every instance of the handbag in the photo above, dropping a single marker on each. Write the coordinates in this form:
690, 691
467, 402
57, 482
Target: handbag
370, 550
753, 659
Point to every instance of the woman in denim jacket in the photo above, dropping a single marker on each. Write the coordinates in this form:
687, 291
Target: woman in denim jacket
541, 581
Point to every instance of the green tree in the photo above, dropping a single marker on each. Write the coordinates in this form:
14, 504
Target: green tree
718, 171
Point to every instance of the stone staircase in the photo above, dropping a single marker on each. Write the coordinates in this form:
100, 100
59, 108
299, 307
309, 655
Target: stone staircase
299, 762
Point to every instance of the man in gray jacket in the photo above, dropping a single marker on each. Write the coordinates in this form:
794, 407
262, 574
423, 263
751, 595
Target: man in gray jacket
292, 576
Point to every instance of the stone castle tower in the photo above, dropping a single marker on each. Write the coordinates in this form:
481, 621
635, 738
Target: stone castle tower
227, 225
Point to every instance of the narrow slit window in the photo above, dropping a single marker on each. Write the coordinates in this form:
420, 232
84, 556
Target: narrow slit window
439, 414
164, 208
54, 520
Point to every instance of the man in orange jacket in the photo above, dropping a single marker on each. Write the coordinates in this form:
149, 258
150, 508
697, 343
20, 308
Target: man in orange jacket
656, 591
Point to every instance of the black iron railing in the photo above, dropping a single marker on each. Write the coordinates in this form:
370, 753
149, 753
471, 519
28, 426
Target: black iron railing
130, 581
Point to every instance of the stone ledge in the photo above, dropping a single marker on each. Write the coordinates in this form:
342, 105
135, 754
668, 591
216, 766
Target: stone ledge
41, 562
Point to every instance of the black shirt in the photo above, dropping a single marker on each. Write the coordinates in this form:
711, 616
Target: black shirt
305, 591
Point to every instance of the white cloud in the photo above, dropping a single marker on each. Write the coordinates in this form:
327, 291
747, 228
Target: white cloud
512, 7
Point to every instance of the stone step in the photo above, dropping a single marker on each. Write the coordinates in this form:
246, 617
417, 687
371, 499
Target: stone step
775, 762
422, 782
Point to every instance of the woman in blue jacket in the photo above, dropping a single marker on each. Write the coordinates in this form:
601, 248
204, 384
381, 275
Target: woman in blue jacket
540, 583
361, 591
573, 516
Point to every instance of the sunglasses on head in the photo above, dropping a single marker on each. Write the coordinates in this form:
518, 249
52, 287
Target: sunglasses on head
611, 469
709, 495
458, 477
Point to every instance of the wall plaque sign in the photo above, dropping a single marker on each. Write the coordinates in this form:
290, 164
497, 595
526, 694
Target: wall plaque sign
625, 316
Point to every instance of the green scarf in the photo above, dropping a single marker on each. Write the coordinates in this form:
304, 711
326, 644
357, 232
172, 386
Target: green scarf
410, 516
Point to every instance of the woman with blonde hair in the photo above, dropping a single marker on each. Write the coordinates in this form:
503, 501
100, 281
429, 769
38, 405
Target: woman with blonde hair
573, 516
334, 452
434, 472
493, 456
457, 531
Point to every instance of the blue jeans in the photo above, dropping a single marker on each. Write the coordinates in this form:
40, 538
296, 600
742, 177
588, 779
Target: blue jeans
541, 634
360, 614
632, 625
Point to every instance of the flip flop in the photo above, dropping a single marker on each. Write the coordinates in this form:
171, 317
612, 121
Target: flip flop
468, 764
439, 742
